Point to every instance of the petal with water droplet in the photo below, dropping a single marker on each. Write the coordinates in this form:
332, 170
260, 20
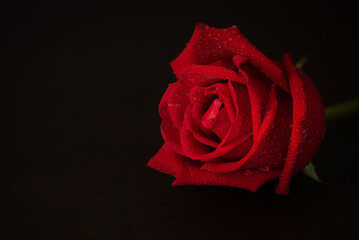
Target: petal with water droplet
308, 123
188, 172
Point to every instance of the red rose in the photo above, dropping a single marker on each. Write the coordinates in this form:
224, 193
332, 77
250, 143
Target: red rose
235, 117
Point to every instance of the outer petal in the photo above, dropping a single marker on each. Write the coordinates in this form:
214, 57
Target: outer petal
187, 172
208, 45
177, 103
163, 106
171, 135
308, 124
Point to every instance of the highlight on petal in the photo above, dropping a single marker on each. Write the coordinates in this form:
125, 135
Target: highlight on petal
308, 124
210, 116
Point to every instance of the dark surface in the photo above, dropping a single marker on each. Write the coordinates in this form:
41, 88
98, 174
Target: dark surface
80, 88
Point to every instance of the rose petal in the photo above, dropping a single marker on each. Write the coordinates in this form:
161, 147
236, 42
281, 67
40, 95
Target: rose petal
258, 86
227, 63
201, 75
271, 145
211, 114
222, 124
242, 123
257, 59
308, 124
210, 44
177, 102
168, 161
196, 130
187, 172
163, 107
193, 148
226, 97
200, 99
171, 135
195, 76
274, 133
206, 46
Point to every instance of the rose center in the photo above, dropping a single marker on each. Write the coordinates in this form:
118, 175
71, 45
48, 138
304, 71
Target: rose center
211, 114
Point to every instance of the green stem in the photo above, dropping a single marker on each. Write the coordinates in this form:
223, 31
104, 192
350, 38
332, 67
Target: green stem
341, 110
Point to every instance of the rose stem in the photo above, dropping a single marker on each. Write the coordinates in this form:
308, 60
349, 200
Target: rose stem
341, 110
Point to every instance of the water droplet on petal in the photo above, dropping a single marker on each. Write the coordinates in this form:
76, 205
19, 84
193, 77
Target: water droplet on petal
265, 169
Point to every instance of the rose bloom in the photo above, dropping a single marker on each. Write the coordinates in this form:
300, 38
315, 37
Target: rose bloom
235, 117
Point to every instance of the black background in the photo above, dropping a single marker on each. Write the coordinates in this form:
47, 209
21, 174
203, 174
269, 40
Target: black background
80, 87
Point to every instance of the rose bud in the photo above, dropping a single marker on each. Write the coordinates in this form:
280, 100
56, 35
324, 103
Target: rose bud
235, 117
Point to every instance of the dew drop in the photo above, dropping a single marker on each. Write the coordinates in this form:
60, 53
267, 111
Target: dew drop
265, 169
247, 172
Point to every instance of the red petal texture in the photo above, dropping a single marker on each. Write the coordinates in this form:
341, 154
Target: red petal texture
187, 172
235, 117
208, 45
308, 124
271, 144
